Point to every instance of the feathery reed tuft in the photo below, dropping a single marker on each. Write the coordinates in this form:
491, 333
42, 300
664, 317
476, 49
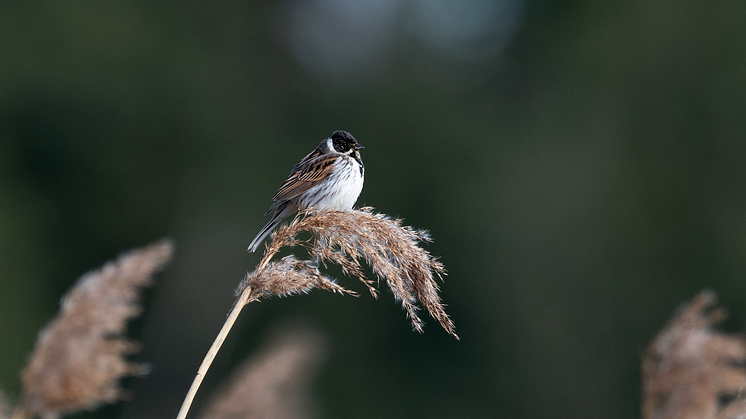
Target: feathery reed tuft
347, 237
80, 356
276, 383
286, 277
690, 369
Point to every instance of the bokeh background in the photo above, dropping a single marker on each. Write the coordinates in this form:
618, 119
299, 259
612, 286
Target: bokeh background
581, 166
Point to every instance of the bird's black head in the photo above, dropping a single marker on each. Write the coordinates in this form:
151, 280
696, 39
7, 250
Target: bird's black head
343, 142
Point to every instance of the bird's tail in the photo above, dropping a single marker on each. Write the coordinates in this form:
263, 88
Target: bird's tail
264, 232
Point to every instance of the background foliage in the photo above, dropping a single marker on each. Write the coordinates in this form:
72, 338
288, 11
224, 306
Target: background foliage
580, 166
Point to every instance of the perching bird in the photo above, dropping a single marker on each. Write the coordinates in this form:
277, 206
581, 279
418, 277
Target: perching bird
330, 177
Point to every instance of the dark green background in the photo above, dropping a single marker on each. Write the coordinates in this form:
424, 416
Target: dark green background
579, 182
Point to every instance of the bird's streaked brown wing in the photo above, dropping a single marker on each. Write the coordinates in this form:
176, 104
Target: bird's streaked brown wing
304, 177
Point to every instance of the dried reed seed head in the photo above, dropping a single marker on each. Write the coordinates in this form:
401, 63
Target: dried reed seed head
80, 356
689, 368
276, 382
286, 277
391, 250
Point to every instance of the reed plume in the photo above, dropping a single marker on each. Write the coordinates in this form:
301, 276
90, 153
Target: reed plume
274, 383
345, 238
80, 356
286, 277
689, 368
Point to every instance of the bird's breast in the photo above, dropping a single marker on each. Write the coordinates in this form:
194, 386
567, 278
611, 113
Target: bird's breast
340, 190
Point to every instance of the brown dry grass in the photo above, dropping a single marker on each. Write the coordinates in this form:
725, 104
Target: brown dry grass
690, 369
346, 238
80, 356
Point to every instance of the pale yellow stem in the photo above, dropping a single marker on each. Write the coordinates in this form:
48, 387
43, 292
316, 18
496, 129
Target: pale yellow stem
237, 306
241, 301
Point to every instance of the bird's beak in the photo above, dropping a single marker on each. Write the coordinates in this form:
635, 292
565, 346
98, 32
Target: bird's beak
358, 147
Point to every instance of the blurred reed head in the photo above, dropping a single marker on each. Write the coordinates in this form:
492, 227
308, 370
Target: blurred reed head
691, 371
275, 383
80, 356
346, 238
5, 409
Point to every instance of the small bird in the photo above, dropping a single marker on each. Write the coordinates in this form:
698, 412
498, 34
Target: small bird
330, 177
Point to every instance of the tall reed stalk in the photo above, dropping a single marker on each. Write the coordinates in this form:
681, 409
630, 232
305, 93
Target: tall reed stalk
345, 238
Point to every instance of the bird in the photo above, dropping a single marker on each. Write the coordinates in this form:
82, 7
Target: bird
329, 177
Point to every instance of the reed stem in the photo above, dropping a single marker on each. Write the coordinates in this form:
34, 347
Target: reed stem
237, 306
